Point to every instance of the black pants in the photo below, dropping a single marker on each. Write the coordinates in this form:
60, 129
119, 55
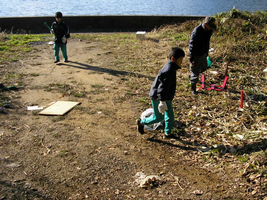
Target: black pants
200, 65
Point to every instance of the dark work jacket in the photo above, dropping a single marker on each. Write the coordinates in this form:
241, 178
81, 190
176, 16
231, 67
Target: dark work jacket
164, 85
199, 42
60, 29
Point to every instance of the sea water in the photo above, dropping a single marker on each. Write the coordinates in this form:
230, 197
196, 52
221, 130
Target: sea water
25, 8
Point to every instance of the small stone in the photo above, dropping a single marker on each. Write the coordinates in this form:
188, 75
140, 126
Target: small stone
254, 192
197, 192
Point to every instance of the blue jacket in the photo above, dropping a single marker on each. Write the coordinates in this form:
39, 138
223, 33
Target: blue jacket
164, 85
200, 42
60, 29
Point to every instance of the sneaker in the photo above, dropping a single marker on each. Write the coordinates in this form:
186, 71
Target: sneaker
168, 136
194, 92
56, 61
66, 61
140, 126
193, 88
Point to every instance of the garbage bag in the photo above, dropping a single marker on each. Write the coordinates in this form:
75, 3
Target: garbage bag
147, 113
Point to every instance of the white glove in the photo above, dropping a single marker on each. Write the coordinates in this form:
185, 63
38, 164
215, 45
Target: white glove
64, 39
162, 107
52, 31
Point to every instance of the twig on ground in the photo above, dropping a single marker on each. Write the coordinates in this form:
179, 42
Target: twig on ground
176, 178
42, 143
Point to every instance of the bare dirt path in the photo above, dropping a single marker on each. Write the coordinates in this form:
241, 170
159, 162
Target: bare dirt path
94, 151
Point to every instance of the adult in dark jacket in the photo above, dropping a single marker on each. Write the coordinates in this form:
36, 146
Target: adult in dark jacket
61, 32
199, 49
162, 93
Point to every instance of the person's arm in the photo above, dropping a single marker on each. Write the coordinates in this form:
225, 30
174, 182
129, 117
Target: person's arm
192, 45
67, 31
165, 84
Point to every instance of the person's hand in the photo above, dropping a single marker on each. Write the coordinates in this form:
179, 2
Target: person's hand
64, 39
162, 107
52, 31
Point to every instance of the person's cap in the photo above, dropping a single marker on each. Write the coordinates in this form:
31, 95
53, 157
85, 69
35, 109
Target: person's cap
58, 15
211, 22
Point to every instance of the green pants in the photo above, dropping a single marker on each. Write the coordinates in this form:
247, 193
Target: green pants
63, 48
168, 116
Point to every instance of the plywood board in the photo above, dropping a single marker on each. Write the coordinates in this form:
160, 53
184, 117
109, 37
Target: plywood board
59, 108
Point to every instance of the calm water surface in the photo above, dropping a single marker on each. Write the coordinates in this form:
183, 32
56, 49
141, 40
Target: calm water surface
22, 8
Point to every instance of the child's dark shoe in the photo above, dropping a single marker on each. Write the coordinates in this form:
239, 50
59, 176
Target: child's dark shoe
140, 126
168, 136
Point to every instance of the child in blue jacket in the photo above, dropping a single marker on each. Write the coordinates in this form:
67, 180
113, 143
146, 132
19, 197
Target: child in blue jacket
162, 93
61, 32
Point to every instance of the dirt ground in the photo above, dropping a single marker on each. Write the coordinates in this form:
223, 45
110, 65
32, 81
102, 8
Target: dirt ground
94, 151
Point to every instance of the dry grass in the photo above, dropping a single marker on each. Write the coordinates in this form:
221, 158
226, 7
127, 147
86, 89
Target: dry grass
213, 117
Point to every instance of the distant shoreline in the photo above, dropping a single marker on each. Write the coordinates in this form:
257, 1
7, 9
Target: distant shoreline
99, 23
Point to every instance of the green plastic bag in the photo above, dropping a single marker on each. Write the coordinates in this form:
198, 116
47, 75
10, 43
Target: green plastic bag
209, 61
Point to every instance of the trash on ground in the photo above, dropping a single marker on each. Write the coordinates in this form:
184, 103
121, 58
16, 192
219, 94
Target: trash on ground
147, 181
140, 35
213, 72
152, 127
34, 108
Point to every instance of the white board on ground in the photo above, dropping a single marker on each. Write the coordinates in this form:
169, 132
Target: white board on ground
59, 108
